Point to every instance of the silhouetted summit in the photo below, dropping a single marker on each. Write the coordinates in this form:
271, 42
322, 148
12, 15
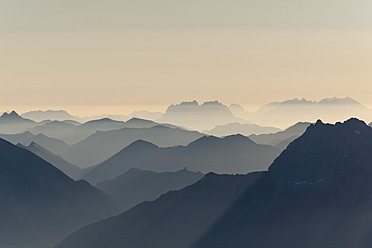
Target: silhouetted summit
324, 154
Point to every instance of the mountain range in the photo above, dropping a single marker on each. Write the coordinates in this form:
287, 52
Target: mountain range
317, 193
231, 154
283, 114
101, 145
71, 133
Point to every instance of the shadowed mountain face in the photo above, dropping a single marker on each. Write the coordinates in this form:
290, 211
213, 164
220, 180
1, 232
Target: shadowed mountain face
136, 186
13, 123
283, 138
320, 195
54, 145
39, 205
199, 117
102, 145
69, 169
232, 154
245, 129
176, 219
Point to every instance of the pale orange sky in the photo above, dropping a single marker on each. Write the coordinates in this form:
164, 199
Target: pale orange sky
117, 56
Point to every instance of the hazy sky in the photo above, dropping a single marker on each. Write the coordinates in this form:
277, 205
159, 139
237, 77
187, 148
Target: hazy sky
102, 55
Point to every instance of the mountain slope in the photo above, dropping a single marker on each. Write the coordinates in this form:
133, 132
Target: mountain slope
39, 204
102, 145
286, 136
136, 186
318, 195
56, 160
176, 219
232, 154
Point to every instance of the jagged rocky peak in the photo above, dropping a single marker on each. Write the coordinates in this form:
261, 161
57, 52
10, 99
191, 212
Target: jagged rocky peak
327, 157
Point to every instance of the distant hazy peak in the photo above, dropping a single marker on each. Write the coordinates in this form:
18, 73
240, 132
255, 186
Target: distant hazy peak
102, 120
333, 100
196, 104
138, 120
10, 115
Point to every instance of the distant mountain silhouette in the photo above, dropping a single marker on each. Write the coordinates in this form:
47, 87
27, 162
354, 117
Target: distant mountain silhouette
176, 219
232, 154
103, 144
69, 169
199, 117
238, 128
283, 138
136, 186
53, 115
144, 114
39, 205
283, 114
13, 123
71, 133
317, 194
54, 145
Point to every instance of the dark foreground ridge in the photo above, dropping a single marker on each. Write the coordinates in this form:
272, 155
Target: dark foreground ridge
39, 205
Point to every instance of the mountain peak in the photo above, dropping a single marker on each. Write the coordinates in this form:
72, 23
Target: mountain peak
12, 114
326, 155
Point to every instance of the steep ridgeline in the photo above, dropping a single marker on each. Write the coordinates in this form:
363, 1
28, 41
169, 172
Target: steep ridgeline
13, 123
39, 205
232, 154
281, 139
320, 196
102, 145
136, 186
69, 169
176, 219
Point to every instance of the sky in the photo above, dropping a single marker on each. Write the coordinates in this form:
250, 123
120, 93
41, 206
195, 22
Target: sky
115, 56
